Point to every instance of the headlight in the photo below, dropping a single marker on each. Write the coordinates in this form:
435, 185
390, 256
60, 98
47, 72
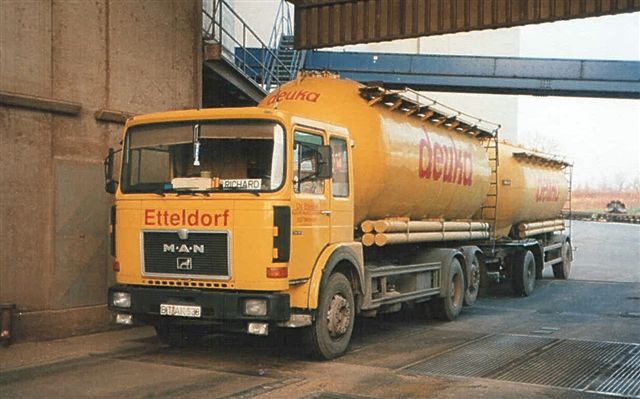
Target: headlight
126, 319
255, 307
121, 299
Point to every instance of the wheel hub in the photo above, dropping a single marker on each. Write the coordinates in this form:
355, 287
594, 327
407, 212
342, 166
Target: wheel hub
456, 291
338, 316
474, 282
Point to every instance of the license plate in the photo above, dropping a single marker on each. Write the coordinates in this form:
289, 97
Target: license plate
180, 310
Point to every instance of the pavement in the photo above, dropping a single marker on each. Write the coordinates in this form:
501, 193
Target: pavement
570, 339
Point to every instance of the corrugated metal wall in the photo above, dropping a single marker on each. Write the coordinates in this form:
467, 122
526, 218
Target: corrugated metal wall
326, 23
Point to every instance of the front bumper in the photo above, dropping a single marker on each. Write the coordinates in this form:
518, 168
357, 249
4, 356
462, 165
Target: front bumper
217, 306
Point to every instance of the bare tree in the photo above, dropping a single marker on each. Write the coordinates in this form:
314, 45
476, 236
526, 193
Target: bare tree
542, 142
619, 181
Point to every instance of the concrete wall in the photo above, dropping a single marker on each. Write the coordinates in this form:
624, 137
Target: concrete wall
130, 56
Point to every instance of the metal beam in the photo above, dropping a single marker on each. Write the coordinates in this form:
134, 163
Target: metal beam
327, 23
495, 75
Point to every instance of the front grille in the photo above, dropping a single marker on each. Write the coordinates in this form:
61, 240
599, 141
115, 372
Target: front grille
201, 254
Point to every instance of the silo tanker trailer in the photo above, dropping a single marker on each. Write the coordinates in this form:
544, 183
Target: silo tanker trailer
328, 200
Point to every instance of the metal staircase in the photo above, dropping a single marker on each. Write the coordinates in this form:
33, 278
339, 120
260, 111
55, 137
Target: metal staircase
282, 40
289, 57
236, 52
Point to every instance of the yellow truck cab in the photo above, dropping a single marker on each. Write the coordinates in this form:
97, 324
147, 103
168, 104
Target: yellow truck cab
207, 210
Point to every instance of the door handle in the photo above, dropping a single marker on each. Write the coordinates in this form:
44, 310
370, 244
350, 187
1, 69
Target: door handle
326, 213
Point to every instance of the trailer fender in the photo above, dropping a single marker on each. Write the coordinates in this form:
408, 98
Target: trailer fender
444, 256
536, 249
348, 259
538, 255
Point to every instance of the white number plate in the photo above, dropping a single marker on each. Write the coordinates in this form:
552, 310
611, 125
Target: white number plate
180, 310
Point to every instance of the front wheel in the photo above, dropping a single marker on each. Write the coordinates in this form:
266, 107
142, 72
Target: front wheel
449, 307
563, 269
523, 273
330, 333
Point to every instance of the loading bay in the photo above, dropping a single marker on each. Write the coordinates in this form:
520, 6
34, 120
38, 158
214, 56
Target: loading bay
571, 339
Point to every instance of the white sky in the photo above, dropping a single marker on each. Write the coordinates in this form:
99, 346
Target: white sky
601, 136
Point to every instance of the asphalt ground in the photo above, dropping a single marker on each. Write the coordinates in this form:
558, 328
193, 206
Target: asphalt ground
570, 339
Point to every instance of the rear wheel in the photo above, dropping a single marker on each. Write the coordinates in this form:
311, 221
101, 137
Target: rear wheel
473, 283
563, 269
449, 307
523, 273
330, 333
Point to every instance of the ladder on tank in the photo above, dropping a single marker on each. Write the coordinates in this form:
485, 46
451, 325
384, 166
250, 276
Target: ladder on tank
567, 213
489, 209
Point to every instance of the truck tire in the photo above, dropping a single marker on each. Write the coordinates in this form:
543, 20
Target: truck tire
329, 335
473, 283
563, 269
449, 307
523, 273
176, 334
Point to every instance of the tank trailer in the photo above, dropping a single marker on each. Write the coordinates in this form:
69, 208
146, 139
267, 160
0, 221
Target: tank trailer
328, 200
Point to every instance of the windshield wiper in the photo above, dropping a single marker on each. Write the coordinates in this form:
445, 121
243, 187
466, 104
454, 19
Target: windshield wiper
239, 190
189, 191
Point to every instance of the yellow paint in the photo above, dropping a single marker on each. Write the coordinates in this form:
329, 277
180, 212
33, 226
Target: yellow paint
527, 191
386, 152
397, 168
313, 285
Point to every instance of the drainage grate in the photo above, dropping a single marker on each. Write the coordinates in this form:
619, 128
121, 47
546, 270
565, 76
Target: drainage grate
623, 377
483, 357
599, 367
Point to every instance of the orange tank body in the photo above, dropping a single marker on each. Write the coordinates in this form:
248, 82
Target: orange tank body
405, 167
402, 167
529, 189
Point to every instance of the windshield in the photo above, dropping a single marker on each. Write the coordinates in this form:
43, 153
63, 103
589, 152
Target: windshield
236, 155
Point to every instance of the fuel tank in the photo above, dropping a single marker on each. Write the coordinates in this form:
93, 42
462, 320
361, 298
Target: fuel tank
403, 166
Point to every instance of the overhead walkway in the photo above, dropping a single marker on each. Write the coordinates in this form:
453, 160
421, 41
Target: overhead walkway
494, 75
240, 69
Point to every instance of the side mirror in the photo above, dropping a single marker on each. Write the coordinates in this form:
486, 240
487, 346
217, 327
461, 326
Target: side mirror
324, 162
110, 185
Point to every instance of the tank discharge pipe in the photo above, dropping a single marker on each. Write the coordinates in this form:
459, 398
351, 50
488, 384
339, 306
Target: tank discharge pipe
386, 232
535, 228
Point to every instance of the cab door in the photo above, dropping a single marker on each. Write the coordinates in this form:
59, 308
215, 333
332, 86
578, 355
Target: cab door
341, 190
310, 204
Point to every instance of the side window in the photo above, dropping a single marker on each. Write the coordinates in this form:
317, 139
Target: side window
305, 168
340, 165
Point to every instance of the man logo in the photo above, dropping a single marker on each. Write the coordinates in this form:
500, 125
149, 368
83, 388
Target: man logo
184, 263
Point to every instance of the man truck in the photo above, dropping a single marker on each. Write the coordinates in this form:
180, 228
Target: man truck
328, 200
